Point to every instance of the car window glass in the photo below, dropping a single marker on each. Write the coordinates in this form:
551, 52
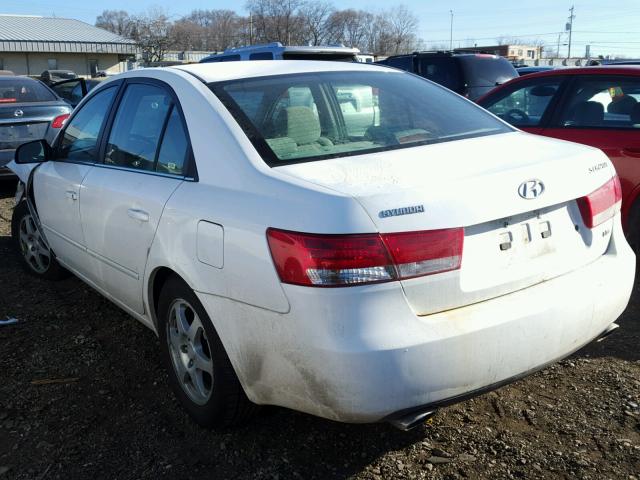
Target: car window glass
525, 106
23, 90
80, 138
359, 108
137, 127
322, 115
403, 63
603, 102
261, 56
444, 71
173, 151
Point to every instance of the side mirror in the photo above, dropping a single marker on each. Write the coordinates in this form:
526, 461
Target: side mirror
37, 151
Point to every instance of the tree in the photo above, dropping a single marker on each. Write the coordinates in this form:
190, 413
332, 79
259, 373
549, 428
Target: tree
117, 21
153, 34
277, 21
314, 15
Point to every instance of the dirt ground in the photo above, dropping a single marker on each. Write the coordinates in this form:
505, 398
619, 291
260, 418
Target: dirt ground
109, 412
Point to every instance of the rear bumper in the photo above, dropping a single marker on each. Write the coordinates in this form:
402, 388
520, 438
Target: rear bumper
361, 355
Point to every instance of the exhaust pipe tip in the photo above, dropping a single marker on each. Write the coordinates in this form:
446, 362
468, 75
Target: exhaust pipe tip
608, 331
411, 420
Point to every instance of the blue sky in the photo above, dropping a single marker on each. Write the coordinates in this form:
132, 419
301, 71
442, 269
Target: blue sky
610, 27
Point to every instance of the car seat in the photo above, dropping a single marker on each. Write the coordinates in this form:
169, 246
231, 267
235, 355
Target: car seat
622, 106
588, 114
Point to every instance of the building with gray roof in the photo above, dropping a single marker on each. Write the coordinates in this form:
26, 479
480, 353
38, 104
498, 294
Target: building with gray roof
31, 44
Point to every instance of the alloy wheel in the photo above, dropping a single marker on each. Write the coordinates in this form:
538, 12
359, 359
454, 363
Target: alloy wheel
190, 352
34, 250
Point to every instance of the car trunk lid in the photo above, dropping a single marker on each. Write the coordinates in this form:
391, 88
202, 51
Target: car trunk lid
510, 242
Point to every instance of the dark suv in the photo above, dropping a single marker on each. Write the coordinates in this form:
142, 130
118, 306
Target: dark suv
469, 74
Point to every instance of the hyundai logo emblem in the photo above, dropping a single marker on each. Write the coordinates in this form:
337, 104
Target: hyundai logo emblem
18, 113
531, 189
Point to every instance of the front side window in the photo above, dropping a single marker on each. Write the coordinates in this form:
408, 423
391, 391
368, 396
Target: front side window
80, 139
312, 116
135, 135
603, 102
525, 104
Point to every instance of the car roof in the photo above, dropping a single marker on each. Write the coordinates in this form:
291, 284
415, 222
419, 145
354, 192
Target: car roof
222, 71
595, 70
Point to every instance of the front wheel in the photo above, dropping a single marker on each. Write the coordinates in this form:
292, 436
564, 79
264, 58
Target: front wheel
37, 258
200, 373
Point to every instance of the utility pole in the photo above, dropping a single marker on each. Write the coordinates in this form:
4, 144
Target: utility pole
451, 32
558, 50
250, 27
570, 28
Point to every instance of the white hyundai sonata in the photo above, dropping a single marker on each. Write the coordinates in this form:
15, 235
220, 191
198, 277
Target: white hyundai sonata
347, 240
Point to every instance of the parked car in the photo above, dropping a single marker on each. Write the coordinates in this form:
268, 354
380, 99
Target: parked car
281, 259
53, 76
522, 71
6, 72
597, 106
28, 111
277, 51
469, 74
75, 89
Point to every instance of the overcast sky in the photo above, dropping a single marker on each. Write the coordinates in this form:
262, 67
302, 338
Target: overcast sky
611, 27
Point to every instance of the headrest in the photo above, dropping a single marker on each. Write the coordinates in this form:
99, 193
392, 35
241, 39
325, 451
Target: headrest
299, 124
635, 114
588, 113
622, 105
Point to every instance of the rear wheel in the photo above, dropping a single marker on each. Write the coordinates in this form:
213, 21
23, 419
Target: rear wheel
38, 259
200, 373
633, 227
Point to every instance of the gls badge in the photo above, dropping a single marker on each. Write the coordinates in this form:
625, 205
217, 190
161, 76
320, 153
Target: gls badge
531, 189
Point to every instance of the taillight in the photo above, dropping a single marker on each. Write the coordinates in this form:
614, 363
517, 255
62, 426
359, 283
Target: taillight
601, 204
58, 122
343, 260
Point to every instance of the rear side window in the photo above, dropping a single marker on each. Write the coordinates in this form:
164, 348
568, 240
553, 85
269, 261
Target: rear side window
80, 138
403, 63
484, 70
603, 102
313, 116
261, 56
174, 147
524, 104
135, 135
442, 70
230, 58
24, 90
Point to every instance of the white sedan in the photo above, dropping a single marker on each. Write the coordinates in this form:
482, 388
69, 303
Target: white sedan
288, 254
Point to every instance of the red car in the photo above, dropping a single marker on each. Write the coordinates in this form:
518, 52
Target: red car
597, 106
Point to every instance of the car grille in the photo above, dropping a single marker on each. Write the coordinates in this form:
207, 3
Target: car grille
14, 134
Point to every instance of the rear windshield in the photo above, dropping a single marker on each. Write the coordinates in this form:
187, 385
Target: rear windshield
313, 116
24, 90
486, 70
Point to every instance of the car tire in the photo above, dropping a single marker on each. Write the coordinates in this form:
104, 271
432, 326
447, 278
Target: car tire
200, 372
37, 258
633, 227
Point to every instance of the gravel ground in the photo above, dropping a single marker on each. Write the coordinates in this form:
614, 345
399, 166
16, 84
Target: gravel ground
83, 395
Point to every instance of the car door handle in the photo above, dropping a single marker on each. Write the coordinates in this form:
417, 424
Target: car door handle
136, 214
632, 151
71, 195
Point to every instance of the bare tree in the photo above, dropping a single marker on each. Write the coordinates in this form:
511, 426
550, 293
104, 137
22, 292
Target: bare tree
277, 20
402, 27
153, 34
314, 15
116, 21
